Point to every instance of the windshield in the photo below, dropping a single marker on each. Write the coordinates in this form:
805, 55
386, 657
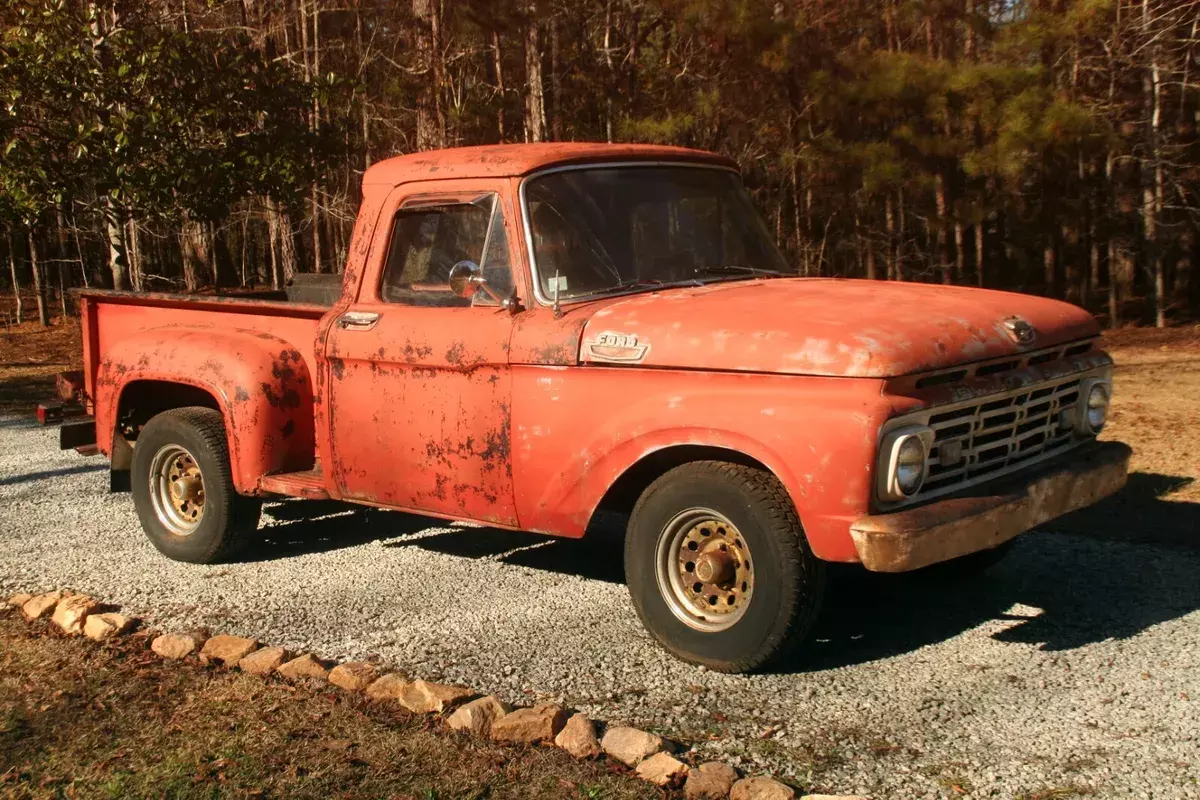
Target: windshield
612, 229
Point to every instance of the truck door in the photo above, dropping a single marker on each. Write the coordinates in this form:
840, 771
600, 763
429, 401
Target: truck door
419, 384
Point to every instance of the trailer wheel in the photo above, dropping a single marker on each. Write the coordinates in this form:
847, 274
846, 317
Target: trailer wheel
183, 487
719, 568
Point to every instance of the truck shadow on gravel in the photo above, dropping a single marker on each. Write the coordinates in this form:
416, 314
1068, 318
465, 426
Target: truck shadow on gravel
1108, 572
304, 527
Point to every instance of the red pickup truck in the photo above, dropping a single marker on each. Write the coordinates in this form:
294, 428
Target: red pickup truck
527, 335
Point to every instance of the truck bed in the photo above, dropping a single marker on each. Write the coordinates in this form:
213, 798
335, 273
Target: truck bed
109, 317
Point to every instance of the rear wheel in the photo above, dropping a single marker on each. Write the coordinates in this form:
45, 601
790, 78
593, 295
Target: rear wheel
183, 487
719, 569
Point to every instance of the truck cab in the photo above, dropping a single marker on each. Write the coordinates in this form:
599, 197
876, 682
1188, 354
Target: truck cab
529, 335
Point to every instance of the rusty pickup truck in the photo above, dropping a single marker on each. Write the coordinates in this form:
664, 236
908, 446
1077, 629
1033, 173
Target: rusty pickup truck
530, 335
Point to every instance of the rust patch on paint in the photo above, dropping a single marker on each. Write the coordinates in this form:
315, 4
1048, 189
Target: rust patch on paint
457, 353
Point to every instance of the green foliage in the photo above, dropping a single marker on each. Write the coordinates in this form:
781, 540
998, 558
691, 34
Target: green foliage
158, 121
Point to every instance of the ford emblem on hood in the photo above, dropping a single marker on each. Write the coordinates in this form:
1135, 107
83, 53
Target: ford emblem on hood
1019, 330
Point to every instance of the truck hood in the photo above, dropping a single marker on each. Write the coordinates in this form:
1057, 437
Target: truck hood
815, 326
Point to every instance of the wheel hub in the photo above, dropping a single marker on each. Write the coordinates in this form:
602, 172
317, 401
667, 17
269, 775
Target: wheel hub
187, 488
177, 489
704, 569
715, 567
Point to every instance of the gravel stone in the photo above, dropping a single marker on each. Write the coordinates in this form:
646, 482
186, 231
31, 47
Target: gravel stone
662, 769
712, 780
173, 646
354, 676
631, 746
478, 716
264, 661
305, 667
102, 626
226, 650
578, 737
71, 611
40, 605
530, 725
761, 788
388, 687
1026, 679
422, 697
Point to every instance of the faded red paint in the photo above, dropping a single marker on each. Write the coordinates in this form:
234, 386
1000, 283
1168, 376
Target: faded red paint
838, 328
510, 418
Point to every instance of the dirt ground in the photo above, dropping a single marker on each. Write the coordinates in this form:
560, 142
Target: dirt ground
80, 720
1156, 409
30, 355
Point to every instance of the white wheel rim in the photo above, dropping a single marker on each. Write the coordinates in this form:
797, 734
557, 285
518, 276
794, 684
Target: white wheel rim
177, 489
704, 570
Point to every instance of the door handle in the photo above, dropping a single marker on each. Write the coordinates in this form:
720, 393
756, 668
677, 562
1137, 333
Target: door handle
358, 320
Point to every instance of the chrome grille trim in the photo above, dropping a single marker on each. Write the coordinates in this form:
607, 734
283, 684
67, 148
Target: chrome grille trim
998, 434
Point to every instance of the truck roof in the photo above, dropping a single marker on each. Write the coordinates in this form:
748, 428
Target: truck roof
513, 160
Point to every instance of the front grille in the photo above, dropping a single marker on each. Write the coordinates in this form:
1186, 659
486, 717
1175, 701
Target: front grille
976, 440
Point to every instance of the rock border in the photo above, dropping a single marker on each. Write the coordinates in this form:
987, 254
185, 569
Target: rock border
462, 709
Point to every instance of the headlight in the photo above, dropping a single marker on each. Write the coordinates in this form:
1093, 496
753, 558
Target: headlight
902, 462
1094, 410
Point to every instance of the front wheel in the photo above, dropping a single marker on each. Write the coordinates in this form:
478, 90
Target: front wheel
719, 569
183, 487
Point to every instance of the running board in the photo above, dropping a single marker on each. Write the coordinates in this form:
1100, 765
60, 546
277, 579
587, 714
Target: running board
310, 485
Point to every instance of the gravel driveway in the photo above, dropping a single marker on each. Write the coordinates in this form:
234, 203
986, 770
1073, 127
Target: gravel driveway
1073, 668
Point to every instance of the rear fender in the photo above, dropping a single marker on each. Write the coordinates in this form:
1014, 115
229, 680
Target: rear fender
260, 384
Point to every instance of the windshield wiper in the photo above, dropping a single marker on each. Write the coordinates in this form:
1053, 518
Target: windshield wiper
638, 284
737, 269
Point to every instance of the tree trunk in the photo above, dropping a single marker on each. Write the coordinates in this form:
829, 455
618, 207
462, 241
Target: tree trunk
283, 248
979, 254
556, 116
960, 252
1049, 265
610, 74
943, 254
39, 285
193, 250
63, 263
535, 99
16, 282
118, 258
889, 215
499, 62
136, 268
1152, 172
431, 132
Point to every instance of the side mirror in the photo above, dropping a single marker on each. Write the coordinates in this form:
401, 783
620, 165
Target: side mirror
465, 278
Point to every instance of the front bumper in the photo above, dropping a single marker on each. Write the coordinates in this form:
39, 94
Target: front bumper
989, 515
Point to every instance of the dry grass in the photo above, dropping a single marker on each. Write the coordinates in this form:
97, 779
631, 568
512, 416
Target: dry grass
79, 720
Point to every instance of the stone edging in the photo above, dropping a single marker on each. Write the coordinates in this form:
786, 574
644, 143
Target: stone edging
649, 756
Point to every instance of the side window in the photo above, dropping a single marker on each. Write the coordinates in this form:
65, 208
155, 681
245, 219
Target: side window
497, 268
430, 239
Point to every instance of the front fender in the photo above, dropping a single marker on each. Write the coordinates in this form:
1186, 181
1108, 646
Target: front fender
576, 431
260, 382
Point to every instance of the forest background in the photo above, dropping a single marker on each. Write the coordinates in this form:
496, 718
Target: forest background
1047, 146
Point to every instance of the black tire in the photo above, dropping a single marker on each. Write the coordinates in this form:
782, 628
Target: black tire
789, 581
227, 516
